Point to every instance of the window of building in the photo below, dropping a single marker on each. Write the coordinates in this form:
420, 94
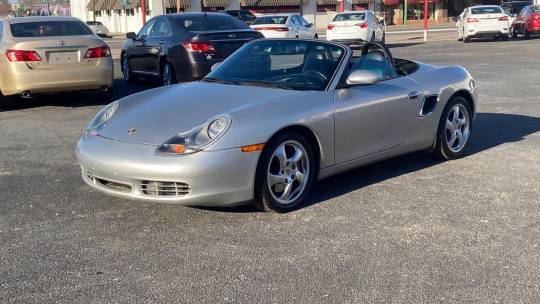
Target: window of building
97, 13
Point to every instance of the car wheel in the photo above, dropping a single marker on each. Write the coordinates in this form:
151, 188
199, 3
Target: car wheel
284, 174
126, 70
383, 38
459, 36
505, 37
316, 36
8, 101
167, 75
106, 96
455, 128
526, 34
466, 39
514, 33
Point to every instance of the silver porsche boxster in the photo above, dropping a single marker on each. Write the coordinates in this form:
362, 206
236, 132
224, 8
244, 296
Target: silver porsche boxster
273, 118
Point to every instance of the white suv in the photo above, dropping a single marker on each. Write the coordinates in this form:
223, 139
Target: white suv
483, 21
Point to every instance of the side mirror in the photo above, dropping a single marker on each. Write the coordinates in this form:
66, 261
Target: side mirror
215, 66
363, 77
131, 35
310, 25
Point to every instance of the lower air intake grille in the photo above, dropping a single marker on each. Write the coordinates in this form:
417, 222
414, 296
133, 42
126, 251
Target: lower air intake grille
157, 188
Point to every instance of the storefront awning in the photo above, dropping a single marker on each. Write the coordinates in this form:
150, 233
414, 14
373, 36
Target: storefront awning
172, 3
397, 2
267, 3
215, 3
95, 5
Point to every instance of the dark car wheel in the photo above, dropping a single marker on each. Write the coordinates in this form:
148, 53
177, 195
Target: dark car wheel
316, 37
106, 96
514, 33
384, 38
455, 128
8, 101
284, 174
126, 70
167, 75
526, 34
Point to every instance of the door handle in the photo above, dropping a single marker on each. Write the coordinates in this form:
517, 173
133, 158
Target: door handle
414, 95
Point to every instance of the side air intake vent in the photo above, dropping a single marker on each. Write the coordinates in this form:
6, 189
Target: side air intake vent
430, 102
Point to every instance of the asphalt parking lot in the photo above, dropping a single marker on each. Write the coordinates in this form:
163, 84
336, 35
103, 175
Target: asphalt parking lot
407, 230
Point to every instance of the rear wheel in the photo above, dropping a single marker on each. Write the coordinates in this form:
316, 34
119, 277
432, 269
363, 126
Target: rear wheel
514, 33
8, 101
455, 129
167, 75
284, 174
316, 36
526, 34
126, 70
505, 37
106, 96
373, 37
466, 39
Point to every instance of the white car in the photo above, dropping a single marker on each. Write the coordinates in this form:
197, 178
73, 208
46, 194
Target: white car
284, 26
98, 28
483, 21
355, 27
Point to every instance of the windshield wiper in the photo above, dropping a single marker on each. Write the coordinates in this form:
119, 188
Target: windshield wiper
266, 84
217, 80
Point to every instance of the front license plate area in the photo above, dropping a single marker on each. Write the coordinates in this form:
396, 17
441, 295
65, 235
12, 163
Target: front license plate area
63, 57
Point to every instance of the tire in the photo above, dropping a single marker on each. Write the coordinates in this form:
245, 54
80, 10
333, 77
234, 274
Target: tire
514, 34
526, 34
126, 70
275, 174
455, 129
8, 102
316, 37
383, 38
106, 96
505, 37
167, 75
466, 39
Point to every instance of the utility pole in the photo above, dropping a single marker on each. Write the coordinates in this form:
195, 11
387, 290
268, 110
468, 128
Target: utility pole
177, 6
426, 11
143, 10
405, 9
94, 10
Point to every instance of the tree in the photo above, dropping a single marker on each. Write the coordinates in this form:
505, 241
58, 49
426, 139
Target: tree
5, 8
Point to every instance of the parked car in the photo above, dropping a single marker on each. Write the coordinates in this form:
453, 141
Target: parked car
98, 28
271, 119
182, 47
244, 15
514, 7
355, 28
483, 21
527, 23
49, 55
284, 26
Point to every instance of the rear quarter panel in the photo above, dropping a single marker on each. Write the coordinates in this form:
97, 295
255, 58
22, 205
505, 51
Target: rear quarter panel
444, 82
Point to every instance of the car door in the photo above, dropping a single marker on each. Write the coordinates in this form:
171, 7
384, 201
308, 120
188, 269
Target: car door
136, 52
308, 31
296, 27
377, 29
370, 119
155, 43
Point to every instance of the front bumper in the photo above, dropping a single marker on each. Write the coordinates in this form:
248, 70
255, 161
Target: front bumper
18, 77
210, 178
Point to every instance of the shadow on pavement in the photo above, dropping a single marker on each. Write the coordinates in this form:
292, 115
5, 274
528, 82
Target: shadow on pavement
490, 130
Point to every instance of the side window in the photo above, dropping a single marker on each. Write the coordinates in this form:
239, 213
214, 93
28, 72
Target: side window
249, 16
303, 21
295, 20
145, 31
160, 29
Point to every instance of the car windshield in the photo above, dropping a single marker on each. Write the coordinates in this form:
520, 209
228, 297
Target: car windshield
486, 10
271, 20
286, 64
209, 22
350, 17
49, 28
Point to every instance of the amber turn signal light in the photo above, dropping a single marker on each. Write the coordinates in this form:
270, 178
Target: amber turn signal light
252, 148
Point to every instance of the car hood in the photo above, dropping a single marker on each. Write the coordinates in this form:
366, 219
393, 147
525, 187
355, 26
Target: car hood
154, 116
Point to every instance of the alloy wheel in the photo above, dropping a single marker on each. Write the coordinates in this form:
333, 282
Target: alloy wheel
457, 128
126, 69
167, 75
288, 172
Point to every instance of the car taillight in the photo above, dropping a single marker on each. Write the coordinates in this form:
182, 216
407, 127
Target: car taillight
19, 55
277, 29
503, 18
330, 26
363, 25
198, 47
98, 52
472, 20
536, 17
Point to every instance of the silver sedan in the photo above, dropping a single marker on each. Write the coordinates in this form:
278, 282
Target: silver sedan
273, 118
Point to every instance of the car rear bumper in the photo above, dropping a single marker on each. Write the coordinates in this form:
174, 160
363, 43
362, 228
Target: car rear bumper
207, 178
343, 37
487, 32
17, 78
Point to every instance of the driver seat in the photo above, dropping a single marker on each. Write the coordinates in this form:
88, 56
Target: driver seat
318, 61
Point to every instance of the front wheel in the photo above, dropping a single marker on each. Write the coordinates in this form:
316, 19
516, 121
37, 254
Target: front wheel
455, 129
126, 70
383, 38
284, 174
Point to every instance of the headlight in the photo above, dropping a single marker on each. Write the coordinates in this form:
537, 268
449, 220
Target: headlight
102, 117
198, 138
